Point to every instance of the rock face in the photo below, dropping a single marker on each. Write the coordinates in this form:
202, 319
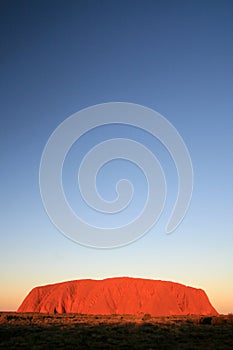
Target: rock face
122, 295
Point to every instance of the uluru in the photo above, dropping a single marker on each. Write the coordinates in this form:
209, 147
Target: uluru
122, 295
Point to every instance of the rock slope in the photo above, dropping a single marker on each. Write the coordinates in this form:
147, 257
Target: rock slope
121, 295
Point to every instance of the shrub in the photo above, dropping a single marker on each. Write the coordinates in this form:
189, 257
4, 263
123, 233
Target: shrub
146, 317
206, 320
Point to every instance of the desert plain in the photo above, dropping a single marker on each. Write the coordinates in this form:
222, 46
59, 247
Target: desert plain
37, 331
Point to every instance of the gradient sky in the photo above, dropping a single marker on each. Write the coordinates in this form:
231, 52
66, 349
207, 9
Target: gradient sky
58, 57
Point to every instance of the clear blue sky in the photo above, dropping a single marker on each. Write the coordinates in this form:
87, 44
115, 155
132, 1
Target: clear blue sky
58, 57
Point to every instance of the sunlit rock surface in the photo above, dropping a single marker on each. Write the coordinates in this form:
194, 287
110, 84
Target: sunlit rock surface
122, 295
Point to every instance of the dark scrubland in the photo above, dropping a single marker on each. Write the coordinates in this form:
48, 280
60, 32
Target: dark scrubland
36, 331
